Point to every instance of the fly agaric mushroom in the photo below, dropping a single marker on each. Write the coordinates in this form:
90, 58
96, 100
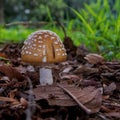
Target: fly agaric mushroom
43, 47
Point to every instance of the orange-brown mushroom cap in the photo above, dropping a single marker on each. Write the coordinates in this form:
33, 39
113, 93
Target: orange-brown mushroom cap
43, 46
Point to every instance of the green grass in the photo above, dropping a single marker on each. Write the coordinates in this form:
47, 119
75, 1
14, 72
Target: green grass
14, 34
20, 33
100, 28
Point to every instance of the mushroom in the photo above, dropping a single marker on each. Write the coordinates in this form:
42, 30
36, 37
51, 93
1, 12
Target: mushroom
43, 47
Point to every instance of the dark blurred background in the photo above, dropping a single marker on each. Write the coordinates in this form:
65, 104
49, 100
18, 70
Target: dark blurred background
40, 10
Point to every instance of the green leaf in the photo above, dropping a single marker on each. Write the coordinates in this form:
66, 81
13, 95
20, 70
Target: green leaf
83, 20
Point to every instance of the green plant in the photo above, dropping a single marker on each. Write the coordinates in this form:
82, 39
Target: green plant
101, 27
14, 34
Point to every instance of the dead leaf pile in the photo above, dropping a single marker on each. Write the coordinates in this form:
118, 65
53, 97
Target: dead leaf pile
86, 87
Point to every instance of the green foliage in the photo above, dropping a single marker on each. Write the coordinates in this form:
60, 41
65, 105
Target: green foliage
20, 33
101, 27
87, 25
14, 34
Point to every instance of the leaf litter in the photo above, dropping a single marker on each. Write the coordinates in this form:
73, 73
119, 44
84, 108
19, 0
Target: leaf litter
86, 87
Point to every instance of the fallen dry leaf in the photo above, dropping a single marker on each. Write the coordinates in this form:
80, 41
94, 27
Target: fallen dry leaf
110, 88
13, 93
24, 102
70, 47
72, 77
85, 70
88, 96
3, 55
67, 69
11, 72
94, 58
113, 114
10, 100
93, 74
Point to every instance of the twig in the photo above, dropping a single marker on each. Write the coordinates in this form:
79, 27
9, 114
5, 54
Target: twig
4, 48
88, 111
63, 28
112, 104
27, 23
31, 100
102, 117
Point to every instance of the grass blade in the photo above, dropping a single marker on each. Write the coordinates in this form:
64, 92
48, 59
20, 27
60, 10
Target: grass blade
83, 20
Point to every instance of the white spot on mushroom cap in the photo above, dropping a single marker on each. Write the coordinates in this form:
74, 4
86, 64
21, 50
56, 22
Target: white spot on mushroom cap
35, 35
63, 54
61, 45
30, 53
56, 49
44, 52
44, 46
35, 40
46, 36
56, 42
45, 31
26, 52
34, 48
40, 37
63, 48
40, 46
40, 41
35, 54
34, 45
52, 37
44, 59
39, 50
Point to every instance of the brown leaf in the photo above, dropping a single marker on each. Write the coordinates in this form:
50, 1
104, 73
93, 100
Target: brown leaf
105, 109
70, 47
12, 93
11, 72
90, 82
67, 69
94, 58
81, 52
10, 100
73, 77
88, 96
69, 44
3, 55
113, 114
86, 70
24, 102
110, 88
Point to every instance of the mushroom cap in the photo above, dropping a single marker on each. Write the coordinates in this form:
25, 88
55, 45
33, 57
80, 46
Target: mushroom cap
43, 46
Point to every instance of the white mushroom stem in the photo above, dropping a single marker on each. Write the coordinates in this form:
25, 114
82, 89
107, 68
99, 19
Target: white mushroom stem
46, 77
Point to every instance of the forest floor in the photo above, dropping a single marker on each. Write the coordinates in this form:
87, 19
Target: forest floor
86, 87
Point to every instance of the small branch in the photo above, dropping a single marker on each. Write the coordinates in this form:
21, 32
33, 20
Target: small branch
88, 111
30, 99
63, 28
4, 48
101, 116
28, 23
